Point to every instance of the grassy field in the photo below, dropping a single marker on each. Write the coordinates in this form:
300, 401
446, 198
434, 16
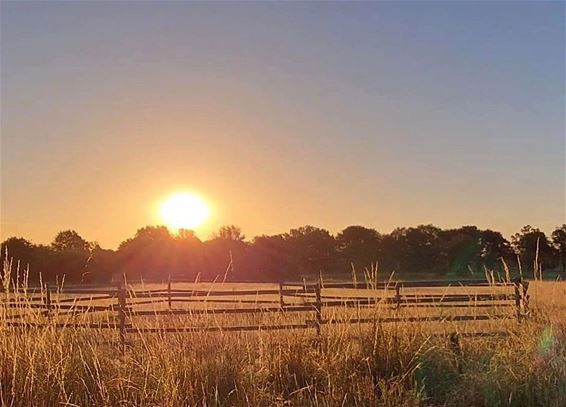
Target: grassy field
404, 364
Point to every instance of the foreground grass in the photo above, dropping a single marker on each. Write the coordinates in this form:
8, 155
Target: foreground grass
393, 367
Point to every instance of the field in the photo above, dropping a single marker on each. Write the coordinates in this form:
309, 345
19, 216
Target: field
398, 364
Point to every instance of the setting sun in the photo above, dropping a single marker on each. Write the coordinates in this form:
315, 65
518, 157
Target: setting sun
184, 211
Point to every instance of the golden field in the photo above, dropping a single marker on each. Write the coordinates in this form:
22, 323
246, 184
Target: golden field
398, 364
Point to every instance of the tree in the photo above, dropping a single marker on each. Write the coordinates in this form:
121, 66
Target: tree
100, 264
70, 240
187, 235
16, 251
148, 254
469, 249
312, 250
533, 247
230, 232
559, 241
462, 249
225, 254
152, 234
269, 257
358, 246
416, 250
494, 248
71, 254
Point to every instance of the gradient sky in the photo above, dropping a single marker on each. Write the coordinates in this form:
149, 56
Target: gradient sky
282, 114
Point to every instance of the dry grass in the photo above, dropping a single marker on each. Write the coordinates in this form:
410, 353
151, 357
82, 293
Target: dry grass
394, 365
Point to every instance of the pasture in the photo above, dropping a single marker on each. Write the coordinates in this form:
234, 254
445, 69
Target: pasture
365, 348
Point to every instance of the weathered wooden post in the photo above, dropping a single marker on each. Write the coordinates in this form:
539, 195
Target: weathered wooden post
318, 308
397, 296
457, 349
525, 285
169, 291
281, 302
518, 285
122, 315
47, 300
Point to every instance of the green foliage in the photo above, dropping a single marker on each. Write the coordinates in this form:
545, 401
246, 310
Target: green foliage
533, 248
559, 241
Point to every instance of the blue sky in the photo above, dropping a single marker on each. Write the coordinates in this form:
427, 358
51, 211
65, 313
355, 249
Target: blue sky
384, 114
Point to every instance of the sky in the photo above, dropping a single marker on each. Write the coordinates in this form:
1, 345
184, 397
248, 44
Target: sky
383, 114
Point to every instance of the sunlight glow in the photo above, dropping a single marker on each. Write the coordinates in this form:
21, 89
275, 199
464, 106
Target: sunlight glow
184, 211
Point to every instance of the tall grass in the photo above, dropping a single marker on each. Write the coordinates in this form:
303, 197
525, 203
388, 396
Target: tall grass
397, 365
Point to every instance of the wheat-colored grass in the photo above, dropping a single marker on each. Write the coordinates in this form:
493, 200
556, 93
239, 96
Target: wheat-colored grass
389, 365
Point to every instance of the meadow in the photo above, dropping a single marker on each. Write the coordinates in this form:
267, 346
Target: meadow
400, 364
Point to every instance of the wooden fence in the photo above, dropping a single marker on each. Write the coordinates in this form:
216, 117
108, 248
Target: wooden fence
125, 303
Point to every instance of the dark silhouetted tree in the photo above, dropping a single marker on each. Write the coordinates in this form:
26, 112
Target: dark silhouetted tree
225, 255
147, 254
70, 258
312, 250
69, 240
18, 255
417, 250
359, 246
100, 265
268, 256
533, 248
188, 255
559, 241
230, 233
462, 250
494, 249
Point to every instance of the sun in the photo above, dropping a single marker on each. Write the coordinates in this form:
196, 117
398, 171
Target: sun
184, 210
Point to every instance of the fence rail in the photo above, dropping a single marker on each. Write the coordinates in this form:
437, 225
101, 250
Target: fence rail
124, 303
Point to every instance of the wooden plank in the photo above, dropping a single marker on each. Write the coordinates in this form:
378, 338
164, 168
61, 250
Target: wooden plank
220, 311
467, 305
241, 328
418, 284
222, 301
189, 293
23, 299
463, 298
414, 319
86, 291
92, 298
62, 325
61, 306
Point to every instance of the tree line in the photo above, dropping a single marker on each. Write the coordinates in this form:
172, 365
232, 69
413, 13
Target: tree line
413, 252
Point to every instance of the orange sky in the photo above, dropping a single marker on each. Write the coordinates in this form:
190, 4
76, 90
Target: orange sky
281, 115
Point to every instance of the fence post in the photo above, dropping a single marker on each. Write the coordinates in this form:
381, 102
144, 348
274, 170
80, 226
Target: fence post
281, 302
525, 285
518, 298
318, 309
48, 300
122, 315
457, 349
169, 291
397, 296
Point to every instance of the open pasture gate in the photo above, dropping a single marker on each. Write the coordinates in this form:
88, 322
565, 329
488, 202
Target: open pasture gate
188, 307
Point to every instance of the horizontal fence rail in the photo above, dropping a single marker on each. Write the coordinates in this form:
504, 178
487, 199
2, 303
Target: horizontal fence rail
122, 304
